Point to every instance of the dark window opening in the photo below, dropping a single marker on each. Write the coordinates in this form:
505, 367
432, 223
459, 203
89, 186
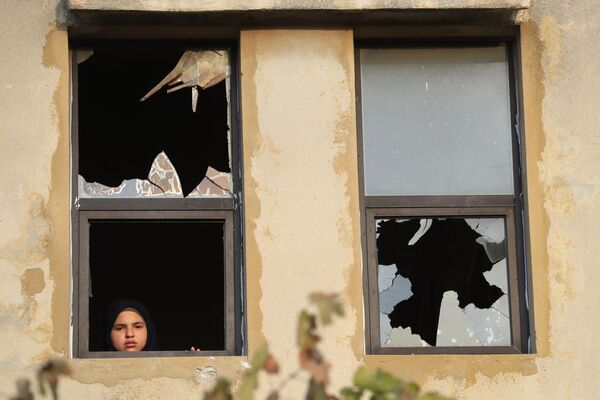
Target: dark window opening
124, 135
156, 190
432, 270
175, 268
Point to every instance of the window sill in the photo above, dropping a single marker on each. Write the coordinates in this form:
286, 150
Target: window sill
290, 5
152, 354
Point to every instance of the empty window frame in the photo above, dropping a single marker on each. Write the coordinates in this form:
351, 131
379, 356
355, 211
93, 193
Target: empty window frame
156, 189
442, 199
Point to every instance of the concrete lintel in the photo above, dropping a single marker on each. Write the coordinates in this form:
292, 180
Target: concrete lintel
290, 5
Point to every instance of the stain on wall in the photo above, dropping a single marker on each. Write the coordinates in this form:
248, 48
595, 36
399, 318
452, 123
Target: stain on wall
32, 282
28, 135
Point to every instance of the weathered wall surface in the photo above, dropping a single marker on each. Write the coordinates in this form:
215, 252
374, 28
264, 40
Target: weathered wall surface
31, 77
300, 184
302, 215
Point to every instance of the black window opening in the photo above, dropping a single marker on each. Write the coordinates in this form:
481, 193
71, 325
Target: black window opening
170, 144
442, 199
156, 195
176, 268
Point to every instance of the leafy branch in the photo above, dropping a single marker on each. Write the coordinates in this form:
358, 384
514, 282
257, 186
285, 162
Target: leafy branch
367, 383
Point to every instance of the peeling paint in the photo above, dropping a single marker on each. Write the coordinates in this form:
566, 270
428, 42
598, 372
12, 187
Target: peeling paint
252, 207
56, 56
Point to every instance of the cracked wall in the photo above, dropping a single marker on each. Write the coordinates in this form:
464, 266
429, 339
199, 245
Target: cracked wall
306, 77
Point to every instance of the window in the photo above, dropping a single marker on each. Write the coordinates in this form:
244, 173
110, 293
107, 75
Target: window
442, 199
156, 195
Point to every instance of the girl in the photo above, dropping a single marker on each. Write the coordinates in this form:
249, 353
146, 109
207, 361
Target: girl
129, 327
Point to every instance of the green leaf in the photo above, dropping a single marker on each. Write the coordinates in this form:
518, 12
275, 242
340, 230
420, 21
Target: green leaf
350, 393
377, 381
433, 396
413, 387
248, 386
316, 391
327, 305
221, 391
250, 377
40, 382
306, 326
259, 357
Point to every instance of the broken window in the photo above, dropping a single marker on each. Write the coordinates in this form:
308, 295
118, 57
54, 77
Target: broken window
154, 124
156, 189
442, 282
442, 198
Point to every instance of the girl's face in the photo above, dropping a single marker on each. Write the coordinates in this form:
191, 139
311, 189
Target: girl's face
129, 332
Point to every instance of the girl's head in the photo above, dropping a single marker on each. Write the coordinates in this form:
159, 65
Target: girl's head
129, 327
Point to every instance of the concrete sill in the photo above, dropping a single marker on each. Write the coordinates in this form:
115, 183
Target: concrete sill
200, 6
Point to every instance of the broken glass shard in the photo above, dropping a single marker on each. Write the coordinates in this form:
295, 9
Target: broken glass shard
399, 291
214, 184
403, 337
164, 177
119, 136
472, 326
385, 276
83, 55
195, 69
162, 181
451, 282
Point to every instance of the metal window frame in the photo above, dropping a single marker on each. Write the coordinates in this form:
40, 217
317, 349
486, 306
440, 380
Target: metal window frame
512, 208
228, 210
507, 213
83, 283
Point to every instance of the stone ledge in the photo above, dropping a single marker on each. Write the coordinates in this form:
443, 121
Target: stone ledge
200, 6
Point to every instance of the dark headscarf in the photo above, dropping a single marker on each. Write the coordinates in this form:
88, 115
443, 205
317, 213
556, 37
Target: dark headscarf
113, 311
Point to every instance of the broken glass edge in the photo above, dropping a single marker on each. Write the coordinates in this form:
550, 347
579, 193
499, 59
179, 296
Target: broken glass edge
502, 319
147, 187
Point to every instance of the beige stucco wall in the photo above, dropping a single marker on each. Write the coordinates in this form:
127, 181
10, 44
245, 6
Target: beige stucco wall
301, 187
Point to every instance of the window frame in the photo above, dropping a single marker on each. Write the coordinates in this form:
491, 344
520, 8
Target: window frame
228, 210
511, 207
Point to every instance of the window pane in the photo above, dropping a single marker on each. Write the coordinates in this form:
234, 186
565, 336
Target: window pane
168, 145
442, 282
436, 121
176, 268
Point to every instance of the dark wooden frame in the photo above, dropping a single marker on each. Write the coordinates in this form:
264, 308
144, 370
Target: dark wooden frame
512, 208
228, 210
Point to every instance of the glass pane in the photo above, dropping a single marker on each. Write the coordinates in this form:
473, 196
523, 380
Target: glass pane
436, 121
135, 141
442, 282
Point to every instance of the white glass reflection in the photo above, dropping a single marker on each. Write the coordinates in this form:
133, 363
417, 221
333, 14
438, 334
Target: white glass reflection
436, 121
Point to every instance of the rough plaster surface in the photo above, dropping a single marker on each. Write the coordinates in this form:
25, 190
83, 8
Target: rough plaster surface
301, 172
230, 5
301, 200
28, 132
